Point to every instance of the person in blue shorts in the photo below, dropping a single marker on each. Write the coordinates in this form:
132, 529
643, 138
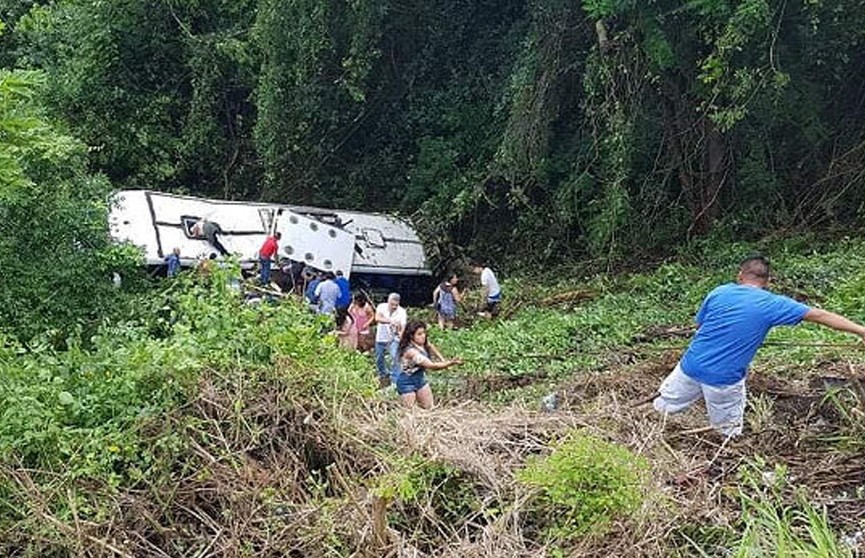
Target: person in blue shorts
732, 323
416, 357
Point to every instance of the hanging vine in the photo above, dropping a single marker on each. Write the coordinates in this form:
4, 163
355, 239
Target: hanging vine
614, 94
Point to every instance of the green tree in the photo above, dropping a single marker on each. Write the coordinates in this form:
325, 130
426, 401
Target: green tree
159, 89
56, 258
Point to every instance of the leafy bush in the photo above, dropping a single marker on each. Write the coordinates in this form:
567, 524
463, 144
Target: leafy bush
584, 484
56, 258
97, 414
416, 483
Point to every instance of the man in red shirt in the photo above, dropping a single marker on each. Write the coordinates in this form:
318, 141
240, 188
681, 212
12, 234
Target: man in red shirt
266, 253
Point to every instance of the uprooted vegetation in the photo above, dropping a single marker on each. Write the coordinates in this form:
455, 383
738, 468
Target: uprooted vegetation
207, 428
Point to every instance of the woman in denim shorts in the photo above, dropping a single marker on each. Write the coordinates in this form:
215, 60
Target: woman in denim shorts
416, 353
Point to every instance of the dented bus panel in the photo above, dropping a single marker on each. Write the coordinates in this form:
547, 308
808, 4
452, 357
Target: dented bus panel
382, 251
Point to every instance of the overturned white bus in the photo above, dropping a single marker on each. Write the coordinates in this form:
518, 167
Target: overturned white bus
377, 252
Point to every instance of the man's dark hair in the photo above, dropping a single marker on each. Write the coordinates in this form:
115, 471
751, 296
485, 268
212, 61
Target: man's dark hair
476, 263
277, 235
756, 267
329, 275
339, 273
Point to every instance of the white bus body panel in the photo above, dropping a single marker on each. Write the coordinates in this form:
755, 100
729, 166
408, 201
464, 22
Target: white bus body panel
315, 243
355, 242
385, 244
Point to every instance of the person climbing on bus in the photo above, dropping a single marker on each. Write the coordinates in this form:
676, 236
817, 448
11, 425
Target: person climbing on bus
445, 299
491, 290
209, 230
732, 323
417, 355
268, 251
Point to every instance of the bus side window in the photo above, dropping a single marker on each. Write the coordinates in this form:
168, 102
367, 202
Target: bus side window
188, 221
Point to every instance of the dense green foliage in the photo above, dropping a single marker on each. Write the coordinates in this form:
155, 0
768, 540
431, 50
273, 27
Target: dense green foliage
598, 127
196, 394
533, 132
56, 259
549, 344
82, 408
116, 415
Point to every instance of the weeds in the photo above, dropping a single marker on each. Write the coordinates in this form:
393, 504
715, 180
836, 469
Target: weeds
203, 426
584, 484
773, 527
849, 404
761, 413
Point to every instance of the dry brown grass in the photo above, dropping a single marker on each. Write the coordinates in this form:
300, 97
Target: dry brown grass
285, 475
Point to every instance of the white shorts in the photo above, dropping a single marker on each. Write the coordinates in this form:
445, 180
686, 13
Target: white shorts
725, 404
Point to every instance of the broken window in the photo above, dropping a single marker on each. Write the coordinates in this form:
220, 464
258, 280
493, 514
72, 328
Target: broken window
187, 222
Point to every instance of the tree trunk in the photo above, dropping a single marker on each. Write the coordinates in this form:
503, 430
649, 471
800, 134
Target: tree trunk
713, 181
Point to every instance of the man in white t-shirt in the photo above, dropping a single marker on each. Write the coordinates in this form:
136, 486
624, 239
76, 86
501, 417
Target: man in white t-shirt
390, 319
490, 285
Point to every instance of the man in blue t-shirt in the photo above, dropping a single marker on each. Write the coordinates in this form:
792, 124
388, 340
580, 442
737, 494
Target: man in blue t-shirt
344, 300
731, 325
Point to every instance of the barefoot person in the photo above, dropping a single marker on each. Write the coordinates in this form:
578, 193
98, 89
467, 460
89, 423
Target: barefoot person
731, 325
416, 354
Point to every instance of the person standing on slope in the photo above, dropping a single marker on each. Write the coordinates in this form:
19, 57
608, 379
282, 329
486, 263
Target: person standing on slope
418, 355
172, 260
390, 319
732, 323
327, 292
491, 289
344, 300
445, 299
